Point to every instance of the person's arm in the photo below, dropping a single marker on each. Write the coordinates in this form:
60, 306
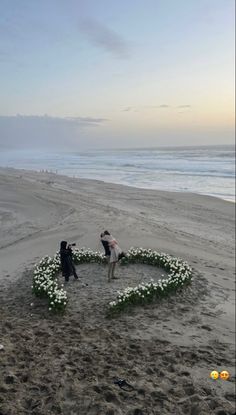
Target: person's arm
113, 243
69, 251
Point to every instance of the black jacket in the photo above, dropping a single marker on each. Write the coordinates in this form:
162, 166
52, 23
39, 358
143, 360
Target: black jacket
106, 247
66, 262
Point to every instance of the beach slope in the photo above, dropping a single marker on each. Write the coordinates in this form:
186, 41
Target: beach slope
66, 364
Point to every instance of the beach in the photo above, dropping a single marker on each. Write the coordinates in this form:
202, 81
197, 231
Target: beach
66, 364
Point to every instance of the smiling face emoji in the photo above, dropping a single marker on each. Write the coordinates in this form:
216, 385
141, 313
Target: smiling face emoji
214, 375
224, 375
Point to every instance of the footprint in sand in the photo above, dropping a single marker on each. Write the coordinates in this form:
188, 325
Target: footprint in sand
137, 411
230, 397
111, 397
204, 327
184, 373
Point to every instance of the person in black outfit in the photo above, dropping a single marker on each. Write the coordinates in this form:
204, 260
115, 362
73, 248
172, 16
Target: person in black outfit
67, 265
106, 247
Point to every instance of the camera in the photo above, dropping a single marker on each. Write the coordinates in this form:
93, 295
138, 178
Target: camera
69, 245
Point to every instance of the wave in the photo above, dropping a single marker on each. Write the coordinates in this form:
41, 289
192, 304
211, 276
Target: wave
206, 170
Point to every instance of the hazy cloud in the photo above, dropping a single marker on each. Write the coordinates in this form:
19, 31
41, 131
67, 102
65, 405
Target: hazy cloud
100, 35
127, 109
135, 109
31, 131
160, 106
132, 109
82, 120
157, 106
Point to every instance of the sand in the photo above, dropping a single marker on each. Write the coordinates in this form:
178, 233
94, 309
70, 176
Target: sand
67, 364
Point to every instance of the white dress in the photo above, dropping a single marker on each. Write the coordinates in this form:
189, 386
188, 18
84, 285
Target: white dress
114, 247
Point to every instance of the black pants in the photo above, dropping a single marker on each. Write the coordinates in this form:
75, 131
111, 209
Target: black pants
73, 269
74, 272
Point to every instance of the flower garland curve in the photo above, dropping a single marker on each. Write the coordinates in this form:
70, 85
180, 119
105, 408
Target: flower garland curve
45, 277
179, 274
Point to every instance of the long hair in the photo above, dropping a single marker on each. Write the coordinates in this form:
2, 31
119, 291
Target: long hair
63, 244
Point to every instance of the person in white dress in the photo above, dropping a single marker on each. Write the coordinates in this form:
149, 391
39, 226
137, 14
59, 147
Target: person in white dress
115, 251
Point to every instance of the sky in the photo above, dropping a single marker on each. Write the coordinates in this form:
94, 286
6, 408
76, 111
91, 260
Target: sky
104, 73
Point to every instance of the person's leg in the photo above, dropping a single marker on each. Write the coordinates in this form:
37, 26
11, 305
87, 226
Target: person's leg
113, 270
74, 271
109, 271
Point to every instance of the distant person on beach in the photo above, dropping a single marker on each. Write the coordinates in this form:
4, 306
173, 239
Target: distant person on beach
105, 246
67, 265
115, 253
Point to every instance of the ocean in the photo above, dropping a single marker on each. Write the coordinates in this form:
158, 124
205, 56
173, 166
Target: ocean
208, 170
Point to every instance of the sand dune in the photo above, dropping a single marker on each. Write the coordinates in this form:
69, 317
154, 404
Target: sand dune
66, 364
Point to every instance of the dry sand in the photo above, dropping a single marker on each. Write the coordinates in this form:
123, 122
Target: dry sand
66, 364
